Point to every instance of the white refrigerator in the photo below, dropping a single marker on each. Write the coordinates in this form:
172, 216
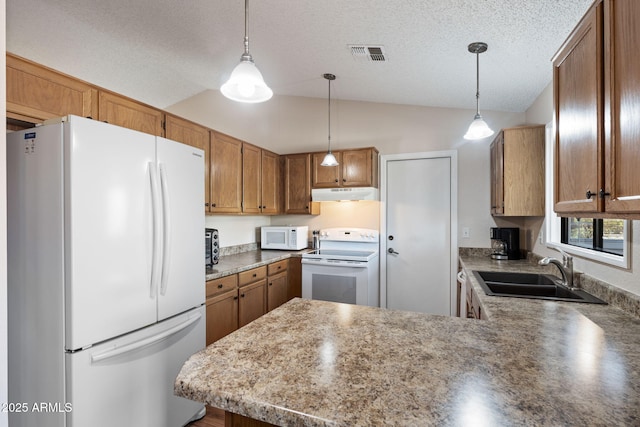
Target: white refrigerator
105, 275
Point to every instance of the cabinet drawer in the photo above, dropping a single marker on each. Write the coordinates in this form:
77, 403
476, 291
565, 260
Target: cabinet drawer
222, 284
252, 275
277, 267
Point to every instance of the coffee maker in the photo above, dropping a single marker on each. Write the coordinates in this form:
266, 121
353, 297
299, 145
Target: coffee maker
505, 242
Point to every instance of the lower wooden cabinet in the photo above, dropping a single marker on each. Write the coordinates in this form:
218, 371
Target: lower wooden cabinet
252, 302
238, 299
222, 315
294, 278
474, 309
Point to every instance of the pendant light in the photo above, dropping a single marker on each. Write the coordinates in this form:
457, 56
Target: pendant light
246, 83
329, 159
478, 128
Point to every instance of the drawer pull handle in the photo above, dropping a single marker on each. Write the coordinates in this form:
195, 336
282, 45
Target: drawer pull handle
220, 286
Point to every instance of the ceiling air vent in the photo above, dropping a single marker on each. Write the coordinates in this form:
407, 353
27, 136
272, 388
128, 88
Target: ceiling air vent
364, 53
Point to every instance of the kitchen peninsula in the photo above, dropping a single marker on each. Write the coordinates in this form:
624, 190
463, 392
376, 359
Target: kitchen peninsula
533, 362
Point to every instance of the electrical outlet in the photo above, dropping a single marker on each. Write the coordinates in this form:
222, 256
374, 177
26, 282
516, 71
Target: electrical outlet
465, 232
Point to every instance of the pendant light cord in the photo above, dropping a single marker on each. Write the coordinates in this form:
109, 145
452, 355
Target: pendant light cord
477, 83
246, 55
329, 114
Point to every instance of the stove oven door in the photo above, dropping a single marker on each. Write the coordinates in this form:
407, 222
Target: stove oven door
336, 281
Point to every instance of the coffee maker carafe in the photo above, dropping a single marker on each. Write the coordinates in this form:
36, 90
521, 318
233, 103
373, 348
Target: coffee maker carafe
505, 243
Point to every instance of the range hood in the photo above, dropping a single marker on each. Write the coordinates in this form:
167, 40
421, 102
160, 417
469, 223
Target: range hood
337, 194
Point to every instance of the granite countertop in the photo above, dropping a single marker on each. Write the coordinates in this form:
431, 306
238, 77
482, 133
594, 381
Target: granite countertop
231, 264
532, 363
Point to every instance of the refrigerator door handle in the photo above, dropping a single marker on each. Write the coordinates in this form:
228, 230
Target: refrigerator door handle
100, 357
166, 229
155, 209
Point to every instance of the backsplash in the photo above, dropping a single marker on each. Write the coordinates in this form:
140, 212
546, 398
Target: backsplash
238, 249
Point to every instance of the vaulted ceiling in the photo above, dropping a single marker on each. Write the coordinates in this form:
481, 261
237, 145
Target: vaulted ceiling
163, 51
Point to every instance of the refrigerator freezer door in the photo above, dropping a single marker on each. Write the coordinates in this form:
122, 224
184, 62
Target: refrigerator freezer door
180, 170
129, 381
108, 230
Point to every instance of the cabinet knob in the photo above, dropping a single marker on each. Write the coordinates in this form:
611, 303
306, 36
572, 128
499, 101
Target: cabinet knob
255, 275
589, 194
242, 295
602, 193
270, 284
235, 297
344, 180
206, 204
336, 179
220, 286
213, 205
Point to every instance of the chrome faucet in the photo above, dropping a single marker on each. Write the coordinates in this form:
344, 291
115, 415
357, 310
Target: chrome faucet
565, 266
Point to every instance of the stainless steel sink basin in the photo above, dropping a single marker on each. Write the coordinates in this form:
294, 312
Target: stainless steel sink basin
530, 285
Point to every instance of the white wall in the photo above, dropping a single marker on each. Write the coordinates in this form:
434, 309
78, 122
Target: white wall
3, 221
295, 124
542, 111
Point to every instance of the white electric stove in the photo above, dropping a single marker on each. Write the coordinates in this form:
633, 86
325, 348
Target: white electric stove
344, 268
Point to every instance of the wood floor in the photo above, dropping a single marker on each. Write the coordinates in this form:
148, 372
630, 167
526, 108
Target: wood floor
214, 418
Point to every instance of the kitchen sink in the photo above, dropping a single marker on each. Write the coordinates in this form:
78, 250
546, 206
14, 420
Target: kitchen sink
530, 285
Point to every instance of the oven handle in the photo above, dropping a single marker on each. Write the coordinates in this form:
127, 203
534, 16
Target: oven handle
334, 263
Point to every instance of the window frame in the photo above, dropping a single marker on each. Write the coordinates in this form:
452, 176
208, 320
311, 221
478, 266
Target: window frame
553, 228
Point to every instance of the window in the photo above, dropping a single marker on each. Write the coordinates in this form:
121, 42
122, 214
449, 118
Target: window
602, 240
602, 235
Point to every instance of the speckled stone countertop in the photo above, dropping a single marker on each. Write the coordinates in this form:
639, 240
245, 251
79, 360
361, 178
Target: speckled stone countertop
532, 363
231, 264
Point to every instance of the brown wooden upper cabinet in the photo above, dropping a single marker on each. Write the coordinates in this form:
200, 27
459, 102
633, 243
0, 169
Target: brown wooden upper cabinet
357, 168
517, 172
297, 185
181, 130
260, 180
225, 174
596, 88
122, 111
36, 93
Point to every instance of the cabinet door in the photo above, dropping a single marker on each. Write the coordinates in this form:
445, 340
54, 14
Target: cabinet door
222, 315
189, 133
271, 182
497, 182
276, 291
522, 181
578, 101
622, 86
121, 111
252, 302
297, 183
251, 176
294, 278
36, 93
225, 174
326, 176
358, 168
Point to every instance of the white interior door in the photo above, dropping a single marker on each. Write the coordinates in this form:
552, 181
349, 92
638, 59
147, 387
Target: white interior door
418, 243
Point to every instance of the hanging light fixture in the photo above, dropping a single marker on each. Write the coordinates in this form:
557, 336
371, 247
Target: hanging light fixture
478, 128
246, 83
329, 158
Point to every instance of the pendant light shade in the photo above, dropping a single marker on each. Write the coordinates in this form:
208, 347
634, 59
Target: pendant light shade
329, 158
246, 83
478, 129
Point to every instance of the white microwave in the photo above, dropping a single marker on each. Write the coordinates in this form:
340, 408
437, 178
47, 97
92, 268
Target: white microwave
288, 238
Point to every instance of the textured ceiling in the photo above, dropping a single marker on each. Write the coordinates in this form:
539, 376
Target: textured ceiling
164, 51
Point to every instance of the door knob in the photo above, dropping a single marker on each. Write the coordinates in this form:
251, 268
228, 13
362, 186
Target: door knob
391, 251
